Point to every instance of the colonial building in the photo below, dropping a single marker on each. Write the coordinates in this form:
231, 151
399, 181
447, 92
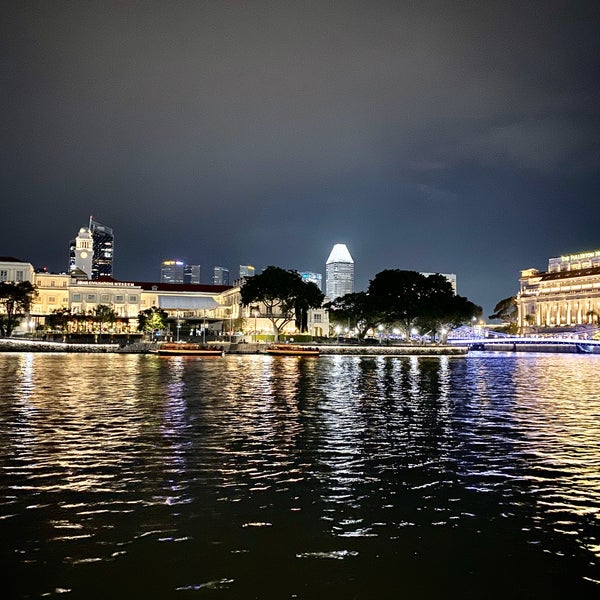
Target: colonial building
566, 295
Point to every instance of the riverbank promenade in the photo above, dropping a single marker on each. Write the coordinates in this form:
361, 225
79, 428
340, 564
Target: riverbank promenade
28, 345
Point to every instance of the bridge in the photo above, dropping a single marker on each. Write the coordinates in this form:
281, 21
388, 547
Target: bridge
528, 344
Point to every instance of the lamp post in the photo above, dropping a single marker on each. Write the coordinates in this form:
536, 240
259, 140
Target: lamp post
337, 332
178, 326
255, 313
380, 330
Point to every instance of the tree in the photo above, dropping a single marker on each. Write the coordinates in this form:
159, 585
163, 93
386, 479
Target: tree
15, 300
407, 299
400, 296
357, 309
104, 314
445, 313
59, 319
506, 310
152, 319
284, 295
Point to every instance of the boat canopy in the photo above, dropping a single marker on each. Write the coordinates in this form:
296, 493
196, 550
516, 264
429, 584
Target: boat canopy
186, 302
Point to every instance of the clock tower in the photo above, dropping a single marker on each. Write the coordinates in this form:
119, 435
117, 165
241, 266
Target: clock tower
84, 252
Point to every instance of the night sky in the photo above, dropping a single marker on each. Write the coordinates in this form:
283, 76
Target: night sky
446, 136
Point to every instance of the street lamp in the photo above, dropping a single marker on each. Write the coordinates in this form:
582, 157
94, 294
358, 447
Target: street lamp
255, 313
380, 329
337, 332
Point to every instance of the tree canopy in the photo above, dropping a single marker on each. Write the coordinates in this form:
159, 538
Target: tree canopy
15, 300
284, 294
405, 299
152, 319
506, 310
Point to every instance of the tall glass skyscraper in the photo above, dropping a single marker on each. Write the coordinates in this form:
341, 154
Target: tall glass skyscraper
172, 271
104, 248
339, 273
220, 276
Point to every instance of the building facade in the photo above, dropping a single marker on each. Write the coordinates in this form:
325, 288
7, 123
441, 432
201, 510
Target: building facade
567, 295
220, 276
315, 278
15, 270
339, 273
104, 249
172, 271
191, 274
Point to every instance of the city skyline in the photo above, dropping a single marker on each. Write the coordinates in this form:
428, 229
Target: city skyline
437, 137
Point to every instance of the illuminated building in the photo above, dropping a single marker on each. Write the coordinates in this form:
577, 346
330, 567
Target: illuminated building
15, 270
566, 295
81, 253
316, 278
220, 276
172, 271
104, 247
91, 252
191, 274
247, 271
339, 273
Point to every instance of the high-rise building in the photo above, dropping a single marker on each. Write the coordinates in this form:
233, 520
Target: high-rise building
220, 276
172, 271
316, 278
191, 274
246, 271
339, 273
104, 248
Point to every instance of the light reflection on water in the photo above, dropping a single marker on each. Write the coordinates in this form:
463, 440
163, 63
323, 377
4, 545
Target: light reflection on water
280, 477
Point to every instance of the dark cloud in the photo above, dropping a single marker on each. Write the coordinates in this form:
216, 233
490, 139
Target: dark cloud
439, 136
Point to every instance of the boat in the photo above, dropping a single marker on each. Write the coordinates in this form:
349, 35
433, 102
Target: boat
185, 349
292, 350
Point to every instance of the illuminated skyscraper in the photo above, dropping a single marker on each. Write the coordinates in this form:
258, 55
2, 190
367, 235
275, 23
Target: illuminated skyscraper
172, 271
220, 276
191, 274
339, 277
316, 278
104, 247
246, 271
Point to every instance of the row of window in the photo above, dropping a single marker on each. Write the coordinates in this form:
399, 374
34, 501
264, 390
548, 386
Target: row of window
105, 298
19, 275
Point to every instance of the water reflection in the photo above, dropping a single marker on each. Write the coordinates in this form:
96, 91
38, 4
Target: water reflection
341, 474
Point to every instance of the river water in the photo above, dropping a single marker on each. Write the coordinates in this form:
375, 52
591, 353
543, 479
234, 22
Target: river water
132, 476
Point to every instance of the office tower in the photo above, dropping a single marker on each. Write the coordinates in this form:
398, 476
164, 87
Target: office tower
316, 278
246, 271
104, 247
339, 273
191, 274
172, 271
81, 253
220, 276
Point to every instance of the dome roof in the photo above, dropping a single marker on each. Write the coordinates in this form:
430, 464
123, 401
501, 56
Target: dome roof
340, 254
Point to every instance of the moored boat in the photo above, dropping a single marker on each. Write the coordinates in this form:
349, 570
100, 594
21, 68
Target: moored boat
185, 349
292, 350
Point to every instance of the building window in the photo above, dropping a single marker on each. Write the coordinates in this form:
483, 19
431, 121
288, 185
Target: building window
132, 299
3, 275
76, 297
105, 297
91, 297
119, 299
19, 276
64, 284
51, 299
317, 318
53, 283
